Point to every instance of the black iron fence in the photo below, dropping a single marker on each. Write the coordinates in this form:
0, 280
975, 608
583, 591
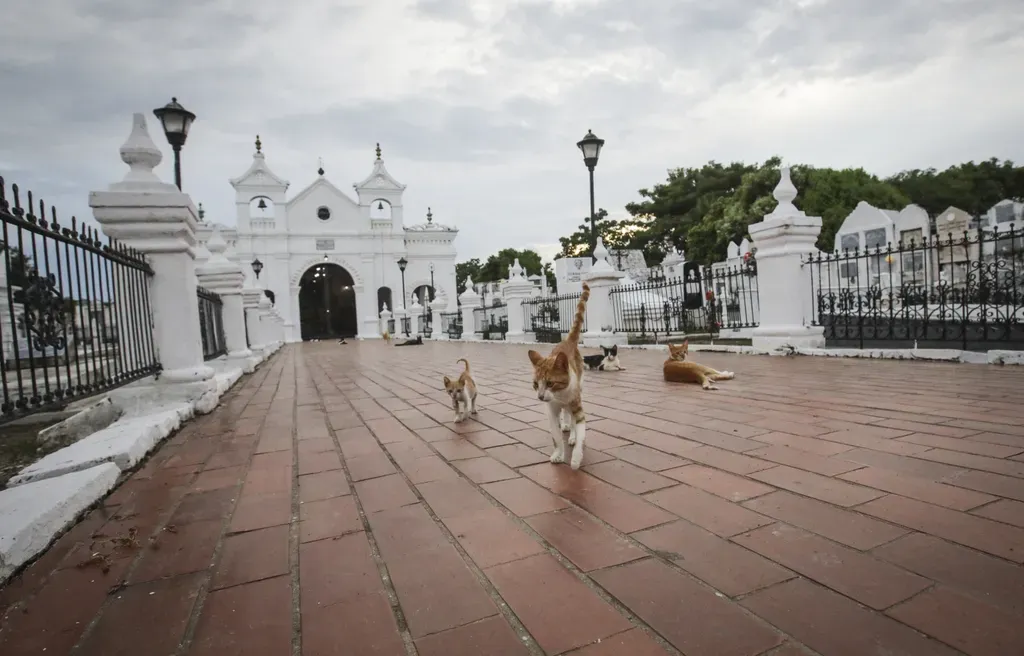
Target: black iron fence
733, 295
665, 307
427, 321
491, 322
211, 323
550, 318
74, 309
451, 324
961, 291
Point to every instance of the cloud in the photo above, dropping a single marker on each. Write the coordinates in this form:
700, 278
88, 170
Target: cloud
478, 104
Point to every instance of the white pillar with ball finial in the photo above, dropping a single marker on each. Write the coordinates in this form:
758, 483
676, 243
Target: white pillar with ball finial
782, 240
157, 219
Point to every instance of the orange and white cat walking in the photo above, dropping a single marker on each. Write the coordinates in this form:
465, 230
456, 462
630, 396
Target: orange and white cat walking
558, 381
677, 370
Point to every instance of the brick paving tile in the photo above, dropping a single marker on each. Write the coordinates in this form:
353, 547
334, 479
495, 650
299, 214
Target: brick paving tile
153, 614
325, 485
246, 620
963, 622
852, 517
722, 484
990, 579
524, 497
977, 532
921, 489
492, 636
633, 642
627, 476
721, 564
559, 611
1004, 510
872, 582
832, 624
708, 511
690, 616
491, 538
252, 556
328, 518
585, 542
816, 486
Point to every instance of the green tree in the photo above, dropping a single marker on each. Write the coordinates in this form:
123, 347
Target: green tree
496, 267
615, 233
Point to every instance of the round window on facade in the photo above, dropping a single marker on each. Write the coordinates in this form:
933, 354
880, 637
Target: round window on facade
323, 213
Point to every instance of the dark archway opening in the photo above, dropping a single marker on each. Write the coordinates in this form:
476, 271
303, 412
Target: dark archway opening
384, 298
424, 294
327, 303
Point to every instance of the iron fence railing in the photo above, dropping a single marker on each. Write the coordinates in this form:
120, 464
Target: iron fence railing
666, 307
211, 323
74, 309
451, 324
491, 322
963, 290
550, 318
733, 293
427, 322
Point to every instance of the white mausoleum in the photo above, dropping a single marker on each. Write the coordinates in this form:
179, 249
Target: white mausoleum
331, 262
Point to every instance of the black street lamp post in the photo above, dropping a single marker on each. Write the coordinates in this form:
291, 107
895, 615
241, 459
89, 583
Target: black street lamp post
402, 263
176, 121
591, 147
257, 267
431, 282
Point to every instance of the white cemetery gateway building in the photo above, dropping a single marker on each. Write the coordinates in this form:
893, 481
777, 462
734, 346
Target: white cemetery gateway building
330, 262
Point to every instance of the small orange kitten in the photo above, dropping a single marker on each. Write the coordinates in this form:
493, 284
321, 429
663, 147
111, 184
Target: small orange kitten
386, 336
462, 391
677, 370
558, 380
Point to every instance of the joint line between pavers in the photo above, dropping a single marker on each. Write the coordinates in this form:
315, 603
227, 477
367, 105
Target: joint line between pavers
204, 590
294, 527
382, 571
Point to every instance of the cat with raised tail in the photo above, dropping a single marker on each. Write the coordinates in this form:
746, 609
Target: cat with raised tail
462, 392
678, 370
558, 381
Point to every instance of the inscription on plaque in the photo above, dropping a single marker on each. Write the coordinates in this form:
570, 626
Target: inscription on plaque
325, 244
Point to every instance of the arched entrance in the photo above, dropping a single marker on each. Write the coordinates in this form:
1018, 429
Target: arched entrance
327, 303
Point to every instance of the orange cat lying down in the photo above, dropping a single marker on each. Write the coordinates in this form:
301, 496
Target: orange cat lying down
678, 370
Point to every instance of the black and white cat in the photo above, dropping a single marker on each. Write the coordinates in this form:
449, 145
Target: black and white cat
606, 361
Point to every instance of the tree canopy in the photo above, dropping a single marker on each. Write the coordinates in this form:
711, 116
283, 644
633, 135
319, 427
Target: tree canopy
701, 210
496, 267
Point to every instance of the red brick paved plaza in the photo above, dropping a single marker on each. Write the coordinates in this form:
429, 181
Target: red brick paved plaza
329, 506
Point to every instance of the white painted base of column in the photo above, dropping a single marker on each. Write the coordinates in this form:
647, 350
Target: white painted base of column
186, 375
598, 339
775, 338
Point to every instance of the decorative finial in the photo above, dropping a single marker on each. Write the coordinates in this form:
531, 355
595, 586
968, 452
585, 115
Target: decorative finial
378, 150
216, 244
785, 193
430, 216
321, 162
202, 212
140, 153
259, 144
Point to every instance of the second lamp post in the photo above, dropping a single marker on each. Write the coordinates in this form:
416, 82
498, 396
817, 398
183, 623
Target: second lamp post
176, 120
402, 263
591, 146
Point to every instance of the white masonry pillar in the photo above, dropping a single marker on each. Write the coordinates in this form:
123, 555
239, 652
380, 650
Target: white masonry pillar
470, 301
157, 219
601, 278
516, 290
782, 239
225, 278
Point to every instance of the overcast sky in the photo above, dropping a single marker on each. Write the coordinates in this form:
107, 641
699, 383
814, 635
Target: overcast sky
478, 104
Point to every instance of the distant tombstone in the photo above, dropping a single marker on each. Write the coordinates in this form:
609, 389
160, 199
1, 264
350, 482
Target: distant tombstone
693, 287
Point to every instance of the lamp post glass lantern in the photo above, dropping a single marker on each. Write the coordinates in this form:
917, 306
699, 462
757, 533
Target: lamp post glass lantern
176, 121
402, 263
257, 267
590, 145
